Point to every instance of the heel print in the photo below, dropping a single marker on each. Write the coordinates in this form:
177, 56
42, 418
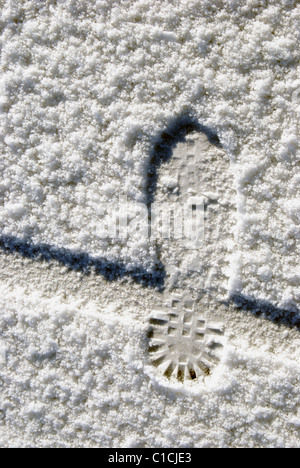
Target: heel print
183, 345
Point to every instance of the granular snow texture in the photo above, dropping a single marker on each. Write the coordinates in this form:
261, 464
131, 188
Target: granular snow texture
86, 86
86, 89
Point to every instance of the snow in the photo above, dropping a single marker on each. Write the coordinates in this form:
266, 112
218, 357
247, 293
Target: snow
86, 89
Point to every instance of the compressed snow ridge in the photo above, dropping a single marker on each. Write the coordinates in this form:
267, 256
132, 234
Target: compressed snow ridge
87, 86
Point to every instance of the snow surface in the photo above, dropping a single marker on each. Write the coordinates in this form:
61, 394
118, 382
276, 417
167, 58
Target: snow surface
86, 88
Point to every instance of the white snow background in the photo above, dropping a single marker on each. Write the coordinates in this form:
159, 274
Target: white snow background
85, 89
